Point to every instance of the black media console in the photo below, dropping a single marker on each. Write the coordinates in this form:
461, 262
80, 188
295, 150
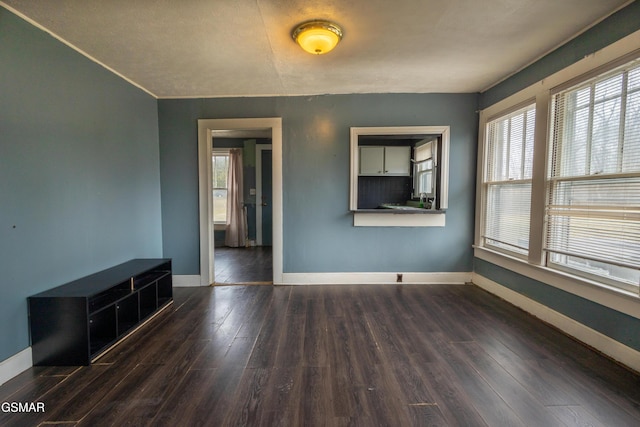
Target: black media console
75, 323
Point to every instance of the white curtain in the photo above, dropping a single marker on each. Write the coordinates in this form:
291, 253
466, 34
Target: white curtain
236, 230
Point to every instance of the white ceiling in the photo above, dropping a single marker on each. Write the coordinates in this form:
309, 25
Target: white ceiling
217, 48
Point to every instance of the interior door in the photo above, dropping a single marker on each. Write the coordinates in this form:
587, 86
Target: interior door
267, 198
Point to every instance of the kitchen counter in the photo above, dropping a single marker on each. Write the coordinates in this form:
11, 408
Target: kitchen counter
395, 211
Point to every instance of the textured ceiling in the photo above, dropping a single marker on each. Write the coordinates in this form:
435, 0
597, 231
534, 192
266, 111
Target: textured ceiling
216, 48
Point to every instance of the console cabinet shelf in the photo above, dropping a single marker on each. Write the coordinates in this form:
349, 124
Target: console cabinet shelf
75, 323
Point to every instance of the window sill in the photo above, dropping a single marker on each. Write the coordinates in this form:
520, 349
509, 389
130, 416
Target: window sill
416, 211
614, 298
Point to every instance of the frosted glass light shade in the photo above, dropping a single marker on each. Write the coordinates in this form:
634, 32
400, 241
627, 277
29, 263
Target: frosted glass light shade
317, 37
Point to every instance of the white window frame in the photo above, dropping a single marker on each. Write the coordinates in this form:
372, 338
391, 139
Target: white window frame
616, 298
424, 166
486, 183
589, 175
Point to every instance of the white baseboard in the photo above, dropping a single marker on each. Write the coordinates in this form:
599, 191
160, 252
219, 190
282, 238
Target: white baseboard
604, 344
184, 281
15, 365
374, 278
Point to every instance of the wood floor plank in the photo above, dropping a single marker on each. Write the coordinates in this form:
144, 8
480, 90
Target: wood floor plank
453, 401
282, 397
511, 391
215, 350
28, 377
588, 394
33, 391
116, 401
265, 349
315, 408
88, 392
202, 398
491, 407
253, 318
54, 395
290, 348
186, 403
315, 334
414, 390
575, 416
247, 406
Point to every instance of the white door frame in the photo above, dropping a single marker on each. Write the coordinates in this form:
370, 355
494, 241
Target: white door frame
205, 196
259, 149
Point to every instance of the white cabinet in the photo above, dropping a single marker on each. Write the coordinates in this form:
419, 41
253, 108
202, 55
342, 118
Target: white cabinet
393, 161
396, 160
371, 160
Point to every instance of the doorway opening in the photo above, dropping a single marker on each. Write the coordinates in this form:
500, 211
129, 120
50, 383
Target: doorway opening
258, 257
242, 206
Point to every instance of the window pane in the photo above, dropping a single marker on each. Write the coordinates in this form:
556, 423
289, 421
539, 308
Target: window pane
498, 169
220, 167
611, 87
634, 79
574, 147
606, 134
631, 147
507, 218
528, 155
597, 268
425, 183
516, 143
220, 206
604, 247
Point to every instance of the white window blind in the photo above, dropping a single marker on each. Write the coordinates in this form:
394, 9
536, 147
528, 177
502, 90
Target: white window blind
593, 210
507, 181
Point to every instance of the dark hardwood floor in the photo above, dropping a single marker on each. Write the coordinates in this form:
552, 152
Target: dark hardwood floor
243, 265
336, 356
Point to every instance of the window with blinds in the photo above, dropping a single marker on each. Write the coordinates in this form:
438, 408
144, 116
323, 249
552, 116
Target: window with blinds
593, 210
507, 181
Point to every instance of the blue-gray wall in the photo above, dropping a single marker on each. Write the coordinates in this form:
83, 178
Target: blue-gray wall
616, 325
318, 229
79, 171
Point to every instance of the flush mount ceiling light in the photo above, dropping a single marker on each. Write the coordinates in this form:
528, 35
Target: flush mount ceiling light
317, 37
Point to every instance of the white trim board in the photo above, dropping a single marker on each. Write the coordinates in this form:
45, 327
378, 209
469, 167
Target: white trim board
602, 343
15, 365
368, 219
453, 278
186, 281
